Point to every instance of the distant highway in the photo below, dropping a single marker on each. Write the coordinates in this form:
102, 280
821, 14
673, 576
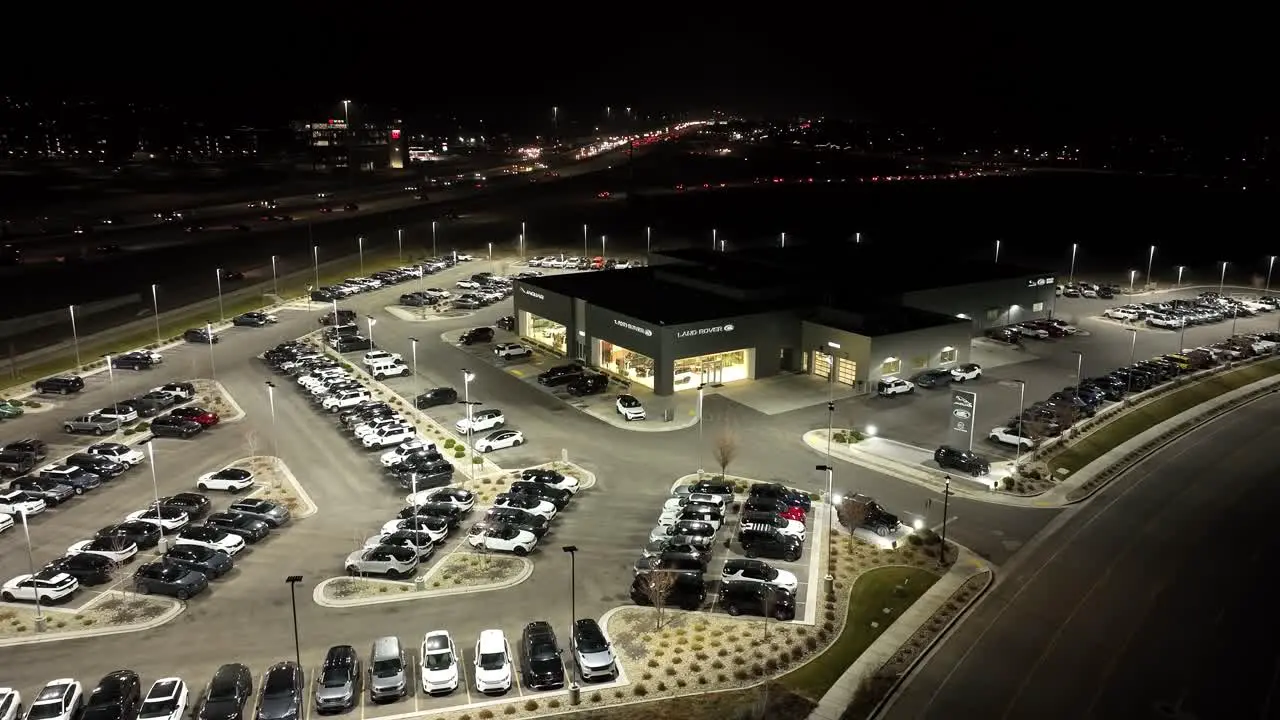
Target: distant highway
1155, 600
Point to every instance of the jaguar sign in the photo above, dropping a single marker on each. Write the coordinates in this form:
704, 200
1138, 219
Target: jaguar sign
532, 294
633, 327
963, 405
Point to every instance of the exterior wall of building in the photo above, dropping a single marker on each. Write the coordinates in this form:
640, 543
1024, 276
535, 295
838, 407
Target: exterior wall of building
841, 345
543, 303
990, 304
768, 334
905, 354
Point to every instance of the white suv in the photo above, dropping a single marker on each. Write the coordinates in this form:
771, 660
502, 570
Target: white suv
481, 420
375, 425
17, 502
386, 370
345, 399
630, 408
393, 456
1119, 313
512, 351
890, 385
388, 436
493, 667
378, 357
439, 663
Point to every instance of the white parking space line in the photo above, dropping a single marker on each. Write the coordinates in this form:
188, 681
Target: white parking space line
515, 679
364, 694
948, 521
307, 682
462, 677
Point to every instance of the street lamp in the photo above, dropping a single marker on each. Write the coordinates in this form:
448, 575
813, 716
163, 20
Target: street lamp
490, 256
573, 598
271, 400
584, 238
783, 240
31, 565
829, 578
1022, 410
161, 546
111, 382
946, 501
648, 241
293, 581
700, 445
1222, 281
360, 248
467, 377
1079, 367
1133, 349
721, 246
714, 242
208, 329
155, 310
275, 279
346, 120
400, 245
75, 335
413, 351
997, 252
1071, 275
370, 321
1271, 263
315, 264
222, 316
603, 240
1180, 269
1151, 256
1132, 274
857, 238
434, 253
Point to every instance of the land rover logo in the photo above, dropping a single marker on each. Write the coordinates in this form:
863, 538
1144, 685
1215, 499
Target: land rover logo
634, 328
532, 294
728, 328
962, 414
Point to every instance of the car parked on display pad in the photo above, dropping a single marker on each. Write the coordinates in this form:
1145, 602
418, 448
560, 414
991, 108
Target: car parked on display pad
212, 538
526, 502
248, 527
1005, 435
419, 542
965, 461
629, 407
496, 537
499, 441
229, 479
966, 371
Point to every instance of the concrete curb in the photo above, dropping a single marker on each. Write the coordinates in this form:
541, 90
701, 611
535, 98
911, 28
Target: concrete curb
319, 598
226, 395
310, 506
175, 609
408, 315
887, 701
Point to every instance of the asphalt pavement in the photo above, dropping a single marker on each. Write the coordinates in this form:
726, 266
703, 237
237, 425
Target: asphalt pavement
1152, 601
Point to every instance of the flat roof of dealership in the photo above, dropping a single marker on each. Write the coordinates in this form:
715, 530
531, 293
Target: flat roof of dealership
847, 287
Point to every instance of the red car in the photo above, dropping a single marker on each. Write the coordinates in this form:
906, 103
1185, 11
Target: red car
778, 507
206, 418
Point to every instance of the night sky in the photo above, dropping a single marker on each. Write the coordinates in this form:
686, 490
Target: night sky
1055, 71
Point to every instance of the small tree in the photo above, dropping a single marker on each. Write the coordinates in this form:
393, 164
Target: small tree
851, 513
726, 449
657, 587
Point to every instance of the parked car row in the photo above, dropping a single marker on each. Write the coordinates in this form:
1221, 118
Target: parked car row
597, 262
1044, 329
194, 554
520, 517
1207, 308
673, 565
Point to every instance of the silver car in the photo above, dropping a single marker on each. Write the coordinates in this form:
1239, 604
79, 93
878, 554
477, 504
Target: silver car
273, 514
391, 560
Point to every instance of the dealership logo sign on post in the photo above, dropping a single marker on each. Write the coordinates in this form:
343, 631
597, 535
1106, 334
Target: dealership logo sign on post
633, 327
532, 294
964, 404
705, 331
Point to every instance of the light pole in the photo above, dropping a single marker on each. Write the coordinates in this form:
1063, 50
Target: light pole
573, 599
782, 240
208, 329
275, 278
946, 501
1235, 315
829, 578
370, 321
467, 377
1151, 256
648, 242
584, 238
1079, 368
346, 120
155, 490
413, 351
271, 400
155, 310
490, 257
1132, 274
1222, 281
721, 246
1022, 410
857, 238
400, 245
434, 253
1133, 349
222, 316
997, 252
111, 382
31, 565
700, 389
1180, 269
1271, 263
293, 581
603, 240
714, 243
360, 249
522, 239
75, 334
315, 264
1071, 275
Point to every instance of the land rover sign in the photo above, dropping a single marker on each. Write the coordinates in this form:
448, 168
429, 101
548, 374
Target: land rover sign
964, 405
698, 332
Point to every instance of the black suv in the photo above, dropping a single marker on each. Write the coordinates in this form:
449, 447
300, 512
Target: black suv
476, 335
436, 397
933, 378
351, 343
200, 335
540, 664
757, 598
963, 460
687, 591
776, 491
171, 426
343, 317
132, 361
768, 541
507, 322
877, 519
555, 496
31, 447
228, 693
117, 697
588, 384
61, 385
560, 374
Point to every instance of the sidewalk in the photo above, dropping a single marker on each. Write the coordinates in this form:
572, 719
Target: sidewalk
838, 697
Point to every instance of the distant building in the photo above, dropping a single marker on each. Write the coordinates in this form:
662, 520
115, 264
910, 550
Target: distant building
360, 146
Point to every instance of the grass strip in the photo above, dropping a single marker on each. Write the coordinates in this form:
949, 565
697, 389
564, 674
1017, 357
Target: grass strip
873, 592
174, 323
1129, 423
777, 703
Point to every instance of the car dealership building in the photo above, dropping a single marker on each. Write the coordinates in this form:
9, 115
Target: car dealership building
847, 314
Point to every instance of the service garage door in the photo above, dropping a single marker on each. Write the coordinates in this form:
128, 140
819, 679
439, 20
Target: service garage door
846, 371
822, 365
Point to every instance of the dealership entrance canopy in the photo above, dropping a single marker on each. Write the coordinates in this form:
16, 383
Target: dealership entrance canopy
698, 317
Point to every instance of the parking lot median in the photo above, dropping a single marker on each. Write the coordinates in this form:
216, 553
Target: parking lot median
1129, 424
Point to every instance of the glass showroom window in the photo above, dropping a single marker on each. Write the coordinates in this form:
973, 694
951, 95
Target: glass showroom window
548, 333
949, 354
635, 367
716, 368
891, 366
1037, 307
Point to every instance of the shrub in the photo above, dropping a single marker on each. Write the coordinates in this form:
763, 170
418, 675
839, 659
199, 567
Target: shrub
828, 626
486, 714
596, 697
915, 540
531, 705
811, 642
702, 679
671, 671
661, 687
653, 663
477, 461
511, 709
640, 690
680, 682
553, 703
459, 453
30, 403
722, 678
740, 674
449, 443
646, 675
771, 665
717, 664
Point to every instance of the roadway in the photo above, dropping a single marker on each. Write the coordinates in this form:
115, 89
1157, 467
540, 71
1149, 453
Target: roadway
1151, 601
246, 619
